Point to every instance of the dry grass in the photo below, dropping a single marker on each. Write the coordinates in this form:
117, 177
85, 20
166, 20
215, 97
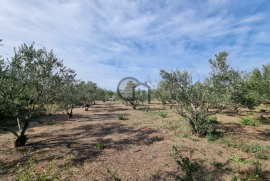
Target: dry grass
137, 148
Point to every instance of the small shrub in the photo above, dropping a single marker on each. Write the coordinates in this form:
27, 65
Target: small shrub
121, 116
184, 135
244, 148
212, 136
261, 155
249, 113
262, 118
230, 143
258, 169
219, 152
236, 159
262, 110
230, 114
187, 167
248, 121
217, 164
162, 114
203, 159
212, 119
100, 146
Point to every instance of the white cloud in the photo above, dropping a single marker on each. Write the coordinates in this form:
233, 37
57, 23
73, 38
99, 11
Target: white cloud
108, 40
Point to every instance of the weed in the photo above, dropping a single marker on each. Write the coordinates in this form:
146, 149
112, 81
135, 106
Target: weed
162, 114
262, 110
230, 114
217, 164
100, 146
236, 159
208, 176
262, 118
32, 172
219, 152
249, 113
248, 121
137, 123
184, 135
211, 136
244, 148
113, 176
203, 159
258, 169
212, 119
228, 168
121, 116
187, 167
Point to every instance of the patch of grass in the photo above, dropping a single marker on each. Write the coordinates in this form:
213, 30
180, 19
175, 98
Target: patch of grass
217, 164
121, 116
203, 159
184, 135
230, 143
113, 176
187, 167
244, 148
212, 119
248, 121
262, 118
219, 152
249, 113
162, 114
32, 171
236, 159
100, 146
262, 110
137, 123
212, 136
228, 168
230, 114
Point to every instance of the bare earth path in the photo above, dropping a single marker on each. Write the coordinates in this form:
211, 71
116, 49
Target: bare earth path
137, 148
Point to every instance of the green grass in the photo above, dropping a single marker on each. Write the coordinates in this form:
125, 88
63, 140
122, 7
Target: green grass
230, 114
248, 121
236, 159
100, 146
162, 114
212, 119
203, 159
121, 116
249, 113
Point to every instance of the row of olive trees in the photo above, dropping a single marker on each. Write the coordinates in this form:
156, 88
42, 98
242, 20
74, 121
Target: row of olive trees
33, 79
224, 88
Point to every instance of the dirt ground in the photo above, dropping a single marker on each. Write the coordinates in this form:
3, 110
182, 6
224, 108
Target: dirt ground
137, 148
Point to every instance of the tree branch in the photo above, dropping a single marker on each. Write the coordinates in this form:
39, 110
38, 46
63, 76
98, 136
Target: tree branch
7, 129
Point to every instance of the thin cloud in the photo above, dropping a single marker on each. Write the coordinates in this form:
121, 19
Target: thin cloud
104, 41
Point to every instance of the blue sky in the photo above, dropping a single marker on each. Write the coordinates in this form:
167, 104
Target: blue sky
107, 40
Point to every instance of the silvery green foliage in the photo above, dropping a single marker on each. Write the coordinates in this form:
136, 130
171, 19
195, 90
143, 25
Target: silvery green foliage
31, 79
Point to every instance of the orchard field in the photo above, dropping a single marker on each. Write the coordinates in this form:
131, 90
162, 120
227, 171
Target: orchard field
139, 147
56, 127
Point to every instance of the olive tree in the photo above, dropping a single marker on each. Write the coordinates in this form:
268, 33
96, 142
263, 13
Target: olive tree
30, 80
190, 95
87, 93
229, 85
68, 97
